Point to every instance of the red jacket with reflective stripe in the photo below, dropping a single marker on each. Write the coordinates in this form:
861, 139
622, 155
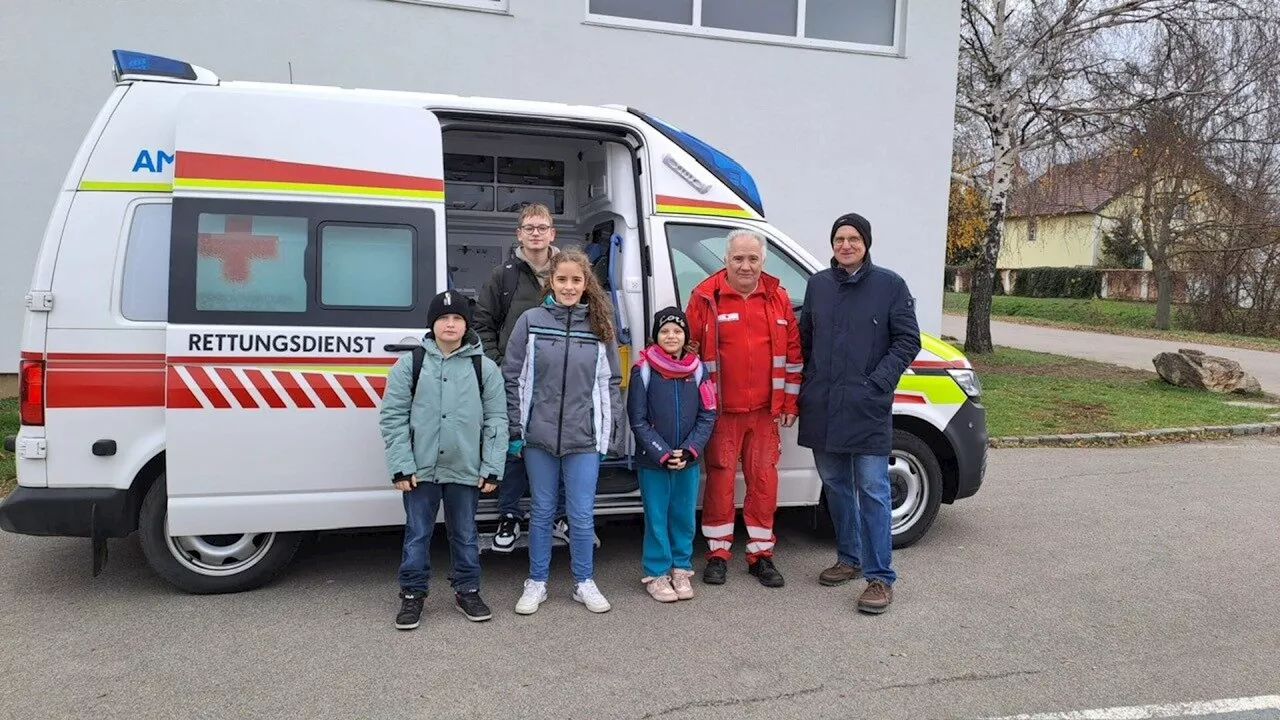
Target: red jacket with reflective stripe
784, 338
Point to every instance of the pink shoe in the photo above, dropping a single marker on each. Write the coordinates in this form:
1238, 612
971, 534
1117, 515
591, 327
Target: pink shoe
660, 588
681, 584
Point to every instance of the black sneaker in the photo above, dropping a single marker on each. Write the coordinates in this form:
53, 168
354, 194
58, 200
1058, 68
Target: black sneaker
715, 571
470, 604
768, 575
508, 532
410, 615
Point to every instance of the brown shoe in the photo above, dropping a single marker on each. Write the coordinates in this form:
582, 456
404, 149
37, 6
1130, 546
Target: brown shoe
839, 574
876, 598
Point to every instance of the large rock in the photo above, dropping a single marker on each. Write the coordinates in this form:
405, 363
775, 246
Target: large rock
1194, 369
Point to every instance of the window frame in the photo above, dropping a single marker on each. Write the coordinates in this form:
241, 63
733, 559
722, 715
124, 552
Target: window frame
697, 29
183, 255
493, 7
773, 248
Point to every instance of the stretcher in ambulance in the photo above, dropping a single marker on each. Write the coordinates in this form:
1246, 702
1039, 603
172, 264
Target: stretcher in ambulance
231, 268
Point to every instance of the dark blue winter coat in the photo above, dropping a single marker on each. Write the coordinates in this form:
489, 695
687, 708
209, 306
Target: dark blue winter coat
858, 334
669, 415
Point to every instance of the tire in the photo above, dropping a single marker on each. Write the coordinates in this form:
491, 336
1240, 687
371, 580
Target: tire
914, 475
209, 564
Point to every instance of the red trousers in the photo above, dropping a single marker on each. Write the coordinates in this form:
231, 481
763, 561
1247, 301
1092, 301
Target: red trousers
753, 438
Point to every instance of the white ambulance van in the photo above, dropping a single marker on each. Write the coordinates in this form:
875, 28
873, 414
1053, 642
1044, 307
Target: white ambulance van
231, 267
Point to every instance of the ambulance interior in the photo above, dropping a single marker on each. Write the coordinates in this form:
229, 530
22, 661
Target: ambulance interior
589, 185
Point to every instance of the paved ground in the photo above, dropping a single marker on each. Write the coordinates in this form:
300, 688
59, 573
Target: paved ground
1118, 349
1076, 579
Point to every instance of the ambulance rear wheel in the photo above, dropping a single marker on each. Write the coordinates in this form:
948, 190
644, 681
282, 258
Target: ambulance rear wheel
208, 564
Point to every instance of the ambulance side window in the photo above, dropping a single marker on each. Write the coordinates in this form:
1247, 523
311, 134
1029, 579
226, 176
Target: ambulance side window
259, 262
697, 252
144, 287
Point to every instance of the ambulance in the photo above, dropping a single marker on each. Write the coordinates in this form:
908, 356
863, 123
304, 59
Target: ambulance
230, 269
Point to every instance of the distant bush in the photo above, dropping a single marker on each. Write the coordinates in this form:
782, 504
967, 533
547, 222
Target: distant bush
1058, 282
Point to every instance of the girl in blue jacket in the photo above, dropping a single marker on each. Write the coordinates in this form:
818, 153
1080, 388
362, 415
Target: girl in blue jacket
672, 406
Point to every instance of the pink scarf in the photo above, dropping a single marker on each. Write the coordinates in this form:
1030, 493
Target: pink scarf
672, 369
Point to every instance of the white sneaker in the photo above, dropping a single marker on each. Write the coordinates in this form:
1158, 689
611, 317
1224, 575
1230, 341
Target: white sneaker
588, 594
560, 529
535, 593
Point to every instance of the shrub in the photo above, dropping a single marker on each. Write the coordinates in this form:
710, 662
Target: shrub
1058, 282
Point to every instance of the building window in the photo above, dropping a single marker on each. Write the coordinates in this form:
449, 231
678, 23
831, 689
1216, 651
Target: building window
498, 6
870, 25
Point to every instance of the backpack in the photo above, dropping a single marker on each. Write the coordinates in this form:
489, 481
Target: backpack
419, 356
706, 390
507, 288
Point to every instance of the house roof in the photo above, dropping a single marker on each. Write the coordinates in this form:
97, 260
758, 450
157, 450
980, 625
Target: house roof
1084, 186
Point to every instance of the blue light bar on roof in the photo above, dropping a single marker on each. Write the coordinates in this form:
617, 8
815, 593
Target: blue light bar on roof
139, 64
724, 168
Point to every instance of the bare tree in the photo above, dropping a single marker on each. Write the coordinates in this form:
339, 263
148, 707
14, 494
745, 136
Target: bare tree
1203, 137
1026, 83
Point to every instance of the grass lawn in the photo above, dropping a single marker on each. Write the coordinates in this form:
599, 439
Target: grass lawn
1030, 393
8, 426
1112, 316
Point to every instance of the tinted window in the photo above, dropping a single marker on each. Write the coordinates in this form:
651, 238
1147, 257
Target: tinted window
775, 17
144, 292
672, 11
697, 251
363, 266
251, 263
864, 21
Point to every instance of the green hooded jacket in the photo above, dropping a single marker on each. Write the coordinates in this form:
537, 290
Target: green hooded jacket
448, 417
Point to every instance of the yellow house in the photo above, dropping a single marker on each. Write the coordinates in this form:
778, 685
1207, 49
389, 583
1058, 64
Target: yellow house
1059, 219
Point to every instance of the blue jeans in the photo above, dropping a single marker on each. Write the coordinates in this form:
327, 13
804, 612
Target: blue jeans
670, 498
421, 505
575, 475
858, 495
515, 481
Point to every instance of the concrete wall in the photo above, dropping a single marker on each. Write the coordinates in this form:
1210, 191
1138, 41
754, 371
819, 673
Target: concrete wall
823, 132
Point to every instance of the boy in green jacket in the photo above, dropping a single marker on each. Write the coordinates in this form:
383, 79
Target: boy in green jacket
445, 441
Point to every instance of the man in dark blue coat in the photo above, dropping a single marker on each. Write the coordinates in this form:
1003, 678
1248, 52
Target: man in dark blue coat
858, 333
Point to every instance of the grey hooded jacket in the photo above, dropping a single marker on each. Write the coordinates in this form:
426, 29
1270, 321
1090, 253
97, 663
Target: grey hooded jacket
563, 383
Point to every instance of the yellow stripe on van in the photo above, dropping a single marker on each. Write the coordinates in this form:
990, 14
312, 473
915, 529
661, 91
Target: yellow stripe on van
196, 183
112, 186
337, 369
939, 389
943, 350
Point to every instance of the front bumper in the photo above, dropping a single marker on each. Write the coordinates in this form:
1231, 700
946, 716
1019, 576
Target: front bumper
967, 433
68, 512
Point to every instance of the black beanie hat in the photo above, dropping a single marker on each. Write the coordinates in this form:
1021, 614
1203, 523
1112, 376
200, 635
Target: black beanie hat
671, 314
855, 221
448, 302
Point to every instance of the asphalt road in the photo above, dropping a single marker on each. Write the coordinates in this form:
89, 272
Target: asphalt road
1122, 350
1075, 579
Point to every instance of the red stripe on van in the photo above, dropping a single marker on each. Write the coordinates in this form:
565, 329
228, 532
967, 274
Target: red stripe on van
378, 383
107, 357
178, 395
206, 166
693, 202
939, 364
291, 386
909, 399
263, 386
278, 360
323, 390
204, 381
354, 390
242, 396
87, 388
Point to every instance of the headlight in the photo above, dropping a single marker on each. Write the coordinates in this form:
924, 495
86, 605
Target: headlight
968, 382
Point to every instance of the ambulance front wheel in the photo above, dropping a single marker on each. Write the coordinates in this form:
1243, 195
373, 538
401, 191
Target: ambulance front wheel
208, 564
915, 491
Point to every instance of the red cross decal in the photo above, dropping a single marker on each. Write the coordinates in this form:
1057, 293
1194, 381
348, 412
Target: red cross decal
236, 246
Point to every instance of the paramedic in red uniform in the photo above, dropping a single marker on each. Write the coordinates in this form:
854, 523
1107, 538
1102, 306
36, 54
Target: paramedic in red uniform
747, 334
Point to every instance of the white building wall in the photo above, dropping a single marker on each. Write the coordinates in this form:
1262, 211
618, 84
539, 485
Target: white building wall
823, 132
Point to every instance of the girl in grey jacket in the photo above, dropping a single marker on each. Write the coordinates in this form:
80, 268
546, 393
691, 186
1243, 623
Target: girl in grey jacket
564, 403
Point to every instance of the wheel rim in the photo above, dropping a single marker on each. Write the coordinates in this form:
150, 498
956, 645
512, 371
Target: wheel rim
220, 555
909, 489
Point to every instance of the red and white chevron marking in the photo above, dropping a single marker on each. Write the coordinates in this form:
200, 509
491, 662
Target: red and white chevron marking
204, 387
